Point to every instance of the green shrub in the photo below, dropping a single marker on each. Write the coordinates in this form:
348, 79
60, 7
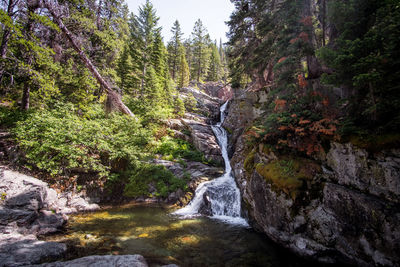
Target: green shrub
177, 149
10, 116
145, 174
59, 140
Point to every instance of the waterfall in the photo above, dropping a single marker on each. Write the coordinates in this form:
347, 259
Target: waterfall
221, 196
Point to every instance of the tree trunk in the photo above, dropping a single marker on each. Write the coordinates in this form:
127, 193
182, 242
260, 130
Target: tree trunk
98, 19
29, 57
114, 101
323, 22
7, 31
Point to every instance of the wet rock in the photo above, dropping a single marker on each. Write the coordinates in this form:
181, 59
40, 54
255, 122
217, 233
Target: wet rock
102, 261
48, 222
197, 172
205, 207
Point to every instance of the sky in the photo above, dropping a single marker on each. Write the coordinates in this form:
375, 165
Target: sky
213, 14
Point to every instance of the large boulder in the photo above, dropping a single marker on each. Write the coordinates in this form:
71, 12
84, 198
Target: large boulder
206, 105
102, 261
217, 89
28, 193
29, 208
204, 140
20, 250
334, 218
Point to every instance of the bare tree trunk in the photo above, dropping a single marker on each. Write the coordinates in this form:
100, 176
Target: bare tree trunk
114, 99
98, 19
32, 6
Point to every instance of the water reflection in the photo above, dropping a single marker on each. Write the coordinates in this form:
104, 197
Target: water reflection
165, 239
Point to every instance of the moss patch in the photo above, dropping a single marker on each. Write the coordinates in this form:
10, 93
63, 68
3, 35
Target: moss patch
289, 174
374, 143
249, 161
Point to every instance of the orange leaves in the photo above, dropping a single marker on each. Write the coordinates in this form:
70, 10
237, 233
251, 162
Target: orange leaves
304, 36
282, 59
304, 134
302, 122
325, 102
325, 126
302, 82
307, 21
253, 134
300, 131
280, 104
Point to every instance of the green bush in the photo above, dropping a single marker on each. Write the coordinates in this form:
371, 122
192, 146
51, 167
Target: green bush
10, 116
59, 140
177, 149
145, 174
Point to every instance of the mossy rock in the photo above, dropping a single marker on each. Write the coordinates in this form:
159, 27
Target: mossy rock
249, 161
229, 130
288, 174
374, 143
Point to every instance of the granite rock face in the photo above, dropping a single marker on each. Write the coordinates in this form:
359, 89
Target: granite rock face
218, 90
29, 208
195, 126
347, 213
377, 174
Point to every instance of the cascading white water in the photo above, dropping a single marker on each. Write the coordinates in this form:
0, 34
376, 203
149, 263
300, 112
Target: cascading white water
222, 193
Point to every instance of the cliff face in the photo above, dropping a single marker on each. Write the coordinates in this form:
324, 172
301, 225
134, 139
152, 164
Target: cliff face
342, 207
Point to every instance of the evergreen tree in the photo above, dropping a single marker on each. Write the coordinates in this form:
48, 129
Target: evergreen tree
173, 48
143, 33
201, 51
214, 70
183, 74
189, 54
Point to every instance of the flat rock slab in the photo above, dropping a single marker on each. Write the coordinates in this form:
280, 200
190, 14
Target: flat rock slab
21, 250
102, 261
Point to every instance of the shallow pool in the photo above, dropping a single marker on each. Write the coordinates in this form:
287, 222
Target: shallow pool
164, 239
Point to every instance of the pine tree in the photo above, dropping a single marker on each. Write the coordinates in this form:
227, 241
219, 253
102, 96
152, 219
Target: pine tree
145, 28
201, 51
183, 74
214, 70
173, 47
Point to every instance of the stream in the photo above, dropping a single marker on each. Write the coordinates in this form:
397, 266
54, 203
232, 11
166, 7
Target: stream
151, 231
219, 198
183, 237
